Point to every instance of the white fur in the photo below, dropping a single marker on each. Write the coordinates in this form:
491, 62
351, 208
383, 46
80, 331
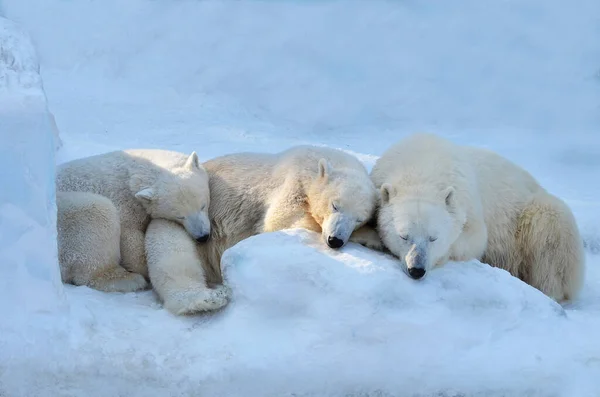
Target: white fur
253, 193
140, 185
441, 201
88, 243
177, 276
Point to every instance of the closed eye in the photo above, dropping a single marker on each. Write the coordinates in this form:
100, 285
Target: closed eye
404, 237
432, 239
181, 218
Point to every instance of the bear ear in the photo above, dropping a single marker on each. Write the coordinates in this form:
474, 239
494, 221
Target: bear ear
145, 195
449, 196
193, 162
387, 191
324, 168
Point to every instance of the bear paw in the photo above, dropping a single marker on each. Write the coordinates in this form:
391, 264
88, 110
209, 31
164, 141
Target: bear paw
119, 280
134, 282
200, 299
367, 237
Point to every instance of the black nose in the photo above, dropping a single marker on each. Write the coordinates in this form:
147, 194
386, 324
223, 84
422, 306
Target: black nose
334, 242
416, 272
203, 238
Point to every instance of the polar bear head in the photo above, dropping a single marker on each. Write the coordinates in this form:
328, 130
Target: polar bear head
418, 225
181, 195
341, 200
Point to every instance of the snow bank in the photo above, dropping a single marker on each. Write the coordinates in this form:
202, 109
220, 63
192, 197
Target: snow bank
30, 277
21, 87
19, 74
309, 321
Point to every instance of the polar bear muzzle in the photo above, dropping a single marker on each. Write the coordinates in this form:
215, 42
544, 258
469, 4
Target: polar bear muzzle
334, 242
198, 226
337, 229
416, 262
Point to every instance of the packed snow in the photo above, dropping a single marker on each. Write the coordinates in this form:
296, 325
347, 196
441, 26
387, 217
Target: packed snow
30, 274
519, 77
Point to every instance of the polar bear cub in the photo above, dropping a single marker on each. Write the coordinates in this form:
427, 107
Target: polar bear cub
117, 195
441, 201
320, 189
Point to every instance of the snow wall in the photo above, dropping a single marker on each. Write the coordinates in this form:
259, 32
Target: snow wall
30, 278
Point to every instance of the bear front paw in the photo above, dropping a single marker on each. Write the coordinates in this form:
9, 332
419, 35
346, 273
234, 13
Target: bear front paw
196, 300
217, 297
367, 237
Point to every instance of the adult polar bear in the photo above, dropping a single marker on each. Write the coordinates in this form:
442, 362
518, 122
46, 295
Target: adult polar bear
441, 201
320, 189
105, 203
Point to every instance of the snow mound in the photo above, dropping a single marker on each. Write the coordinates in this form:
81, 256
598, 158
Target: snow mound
21, 87
333, 322
309, 321
359, 284
29, 268
19, 67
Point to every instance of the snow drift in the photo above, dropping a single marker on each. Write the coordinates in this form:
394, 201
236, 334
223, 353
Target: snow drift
32, 300
30, 279
327, 322
309, 321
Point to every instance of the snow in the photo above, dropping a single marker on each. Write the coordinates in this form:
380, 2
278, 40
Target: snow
321, 322
29, 265
354, 310
519, 77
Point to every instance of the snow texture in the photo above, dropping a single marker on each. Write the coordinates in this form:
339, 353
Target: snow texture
20, 73
30, 280
519, 77
311, 321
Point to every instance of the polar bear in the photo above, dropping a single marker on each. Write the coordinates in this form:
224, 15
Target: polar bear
321, 189
441, 201
88, 236
118, 193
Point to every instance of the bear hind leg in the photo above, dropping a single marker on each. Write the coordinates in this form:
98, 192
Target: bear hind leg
133, 255
117, 279
551, 248
88, 231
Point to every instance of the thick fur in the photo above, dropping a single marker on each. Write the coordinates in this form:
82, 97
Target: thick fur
140, 185
177, 275
88, 243
321, 189
441, 201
